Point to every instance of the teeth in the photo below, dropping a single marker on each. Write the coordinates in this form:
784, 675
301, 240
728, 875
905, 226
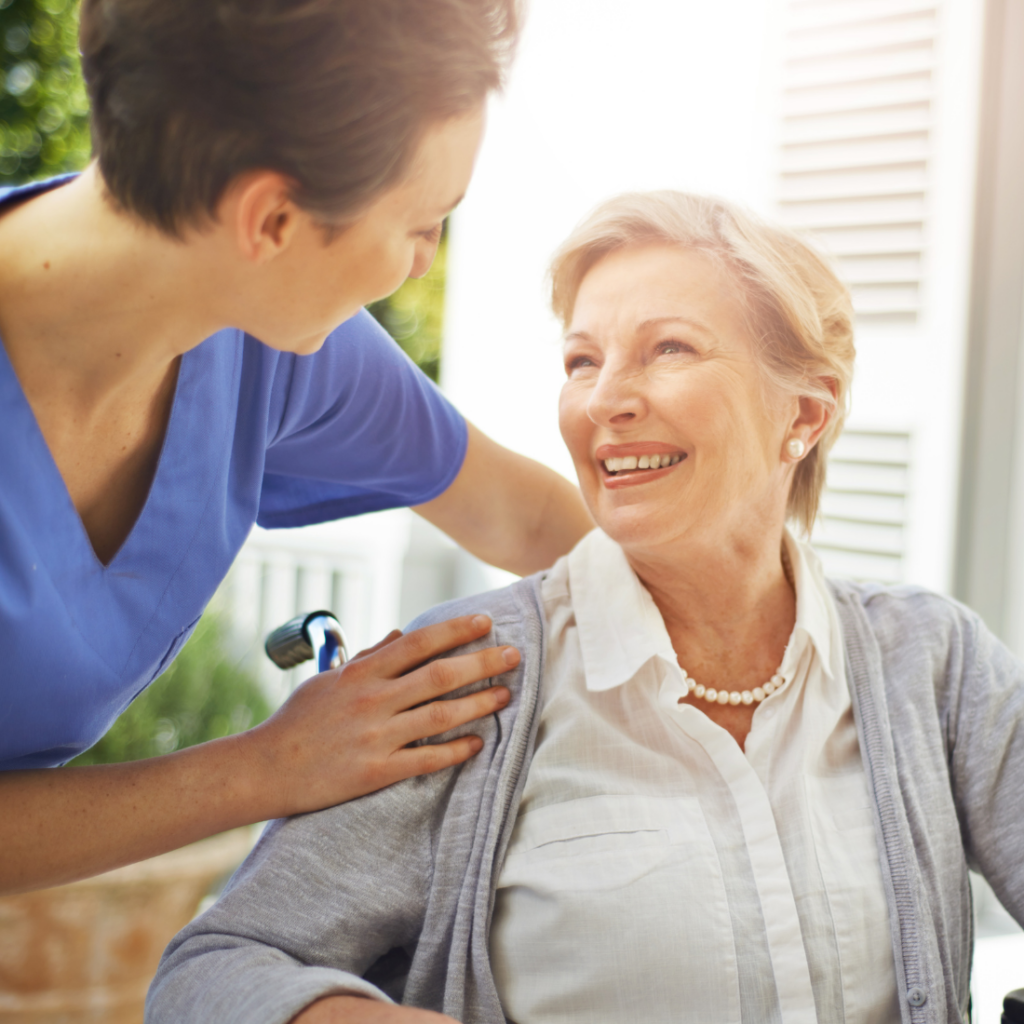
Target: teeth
643, 462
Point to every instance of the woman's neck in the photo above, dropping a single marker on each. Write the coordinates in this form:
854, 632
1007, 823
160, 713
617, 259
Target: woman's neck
729, 608
91, 300
95, 311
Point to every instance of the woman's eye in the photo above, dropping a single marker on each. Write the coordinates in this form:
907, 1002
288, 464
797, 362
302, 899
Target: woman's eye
434, 234
674, 348
577, 363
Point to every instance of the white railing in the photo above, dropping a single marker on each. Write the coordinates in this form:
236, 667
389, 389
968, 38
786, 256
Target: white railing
374, 572
352, 567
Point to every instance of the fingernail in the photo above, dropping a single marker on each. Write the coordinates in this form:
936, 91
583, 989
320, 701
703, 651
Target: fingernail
502, 696
481, 622
476, 744
510, 656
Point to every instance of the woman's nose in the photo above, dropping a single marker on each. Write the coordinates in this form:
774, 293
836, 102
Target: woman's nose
616, 398
423, 259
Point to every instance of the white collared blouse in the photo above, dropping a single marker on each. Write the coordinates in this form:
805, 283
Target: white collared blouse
657, 872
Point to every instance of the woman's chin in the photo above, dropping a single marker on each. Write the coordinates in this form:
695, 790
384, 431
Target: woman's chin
636, 526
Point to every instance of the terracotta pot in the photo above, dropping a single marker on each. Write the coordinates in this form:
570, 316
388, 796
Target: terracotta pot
85, 953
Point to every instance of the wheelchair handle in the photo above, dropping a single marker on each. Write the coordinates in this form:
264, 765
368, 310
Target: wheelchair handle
311, 635
1013, 1007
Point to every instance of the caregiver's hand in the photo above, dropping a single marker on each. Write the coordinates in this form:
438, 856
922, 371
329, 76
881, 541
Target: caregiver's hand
346, 732
342, 734
357, 1010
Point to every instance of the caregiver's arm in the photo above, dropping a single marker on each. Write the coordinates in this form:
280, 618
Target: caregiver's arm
342, 734
509, 510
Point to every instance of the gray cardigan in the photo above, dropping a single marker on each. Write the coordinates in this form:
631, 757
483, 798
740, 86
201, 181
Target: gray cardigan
392, 894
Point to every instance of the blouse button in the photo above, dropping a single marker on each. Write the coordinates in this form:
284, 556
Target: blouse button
917, 996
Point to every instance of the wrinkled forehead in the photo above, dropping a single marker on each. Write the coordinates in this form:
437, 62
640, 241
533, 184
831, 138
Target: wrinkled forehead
634, 291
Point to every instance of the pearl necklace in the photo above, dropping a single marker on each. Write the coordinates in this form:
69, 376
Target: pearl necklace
734, 697
737, 697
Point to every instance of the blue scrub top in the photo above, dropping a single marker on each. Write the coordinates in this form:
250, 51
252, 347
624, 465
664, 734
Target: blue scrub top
254, 435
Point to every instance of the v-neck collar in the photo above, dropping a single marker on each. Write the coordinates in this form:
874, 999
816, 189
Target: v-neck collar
159, 540
17, 402
133, 613
51, 480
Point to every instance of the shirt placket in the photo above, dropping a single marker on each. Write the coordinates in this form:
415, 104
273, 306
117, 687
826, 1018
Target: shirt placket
764, 846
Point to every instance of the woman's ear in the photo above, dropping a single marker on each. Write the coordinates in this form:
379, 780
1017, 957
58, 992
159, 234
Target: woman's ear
264, 215
813, 416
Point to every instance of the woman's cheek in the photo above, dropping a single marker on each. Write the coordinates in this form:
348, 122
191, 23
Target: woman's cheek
575, 427
568, 415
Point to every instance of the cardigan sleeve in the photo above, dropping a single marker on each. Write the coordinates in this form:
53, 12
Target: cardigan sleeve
320, 899
328, 903
987, 760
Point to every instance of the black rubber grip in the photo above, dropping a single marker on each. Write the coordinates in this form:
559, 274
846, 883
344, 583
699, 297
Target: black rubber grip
1013, 1007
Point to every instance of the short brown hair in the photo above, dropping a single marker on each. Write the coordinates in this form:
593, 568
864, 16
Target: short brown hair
334, 94
798, 311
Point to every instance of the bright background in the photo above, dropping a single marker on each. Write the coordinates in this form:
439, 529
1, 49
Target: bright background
891, 131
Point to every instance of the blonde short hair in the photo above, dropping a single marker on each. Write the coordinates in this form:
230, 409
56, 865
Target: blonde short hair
798, 311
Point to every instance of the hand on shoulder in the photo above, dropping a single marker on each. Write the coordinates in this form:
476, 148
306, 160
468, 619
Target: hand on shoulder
347, 732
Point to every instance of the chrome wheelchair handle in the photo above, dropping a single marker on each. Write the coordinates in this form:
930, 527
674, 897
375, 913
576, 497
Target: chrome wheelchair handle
312, 635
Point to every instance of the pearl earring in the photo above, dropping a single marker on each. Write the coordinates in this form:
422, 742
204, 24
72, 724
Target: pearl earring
796, 448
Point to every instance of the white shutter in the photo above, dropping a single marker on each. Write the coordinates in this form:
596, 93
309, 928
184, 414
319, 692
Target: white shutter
857, 92
861, 527
862, 85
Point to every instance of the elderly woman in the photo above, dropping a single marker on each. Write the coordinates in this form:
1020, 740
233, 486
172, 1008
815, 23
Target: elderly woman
725, 789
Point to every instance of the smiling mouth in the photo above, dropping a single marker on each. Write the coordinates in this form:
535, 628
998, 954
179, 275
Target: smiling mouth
641, 463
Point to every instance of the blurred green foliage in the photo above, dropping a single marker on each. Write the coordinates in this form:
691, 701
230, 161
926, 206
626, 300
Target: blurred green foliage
204, 695
44, 111
414, 315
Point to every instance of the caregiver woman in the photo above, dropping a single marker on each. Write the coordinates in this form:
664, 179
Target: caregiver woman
172, 370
